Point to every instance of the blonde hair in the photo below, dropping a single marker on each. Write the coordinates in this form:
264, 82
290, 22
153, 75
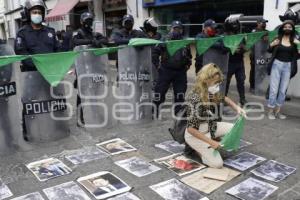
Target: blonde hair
208, 72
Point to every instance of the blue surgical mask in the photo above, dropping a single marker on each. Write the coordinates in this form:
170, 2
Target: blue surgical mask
36, 18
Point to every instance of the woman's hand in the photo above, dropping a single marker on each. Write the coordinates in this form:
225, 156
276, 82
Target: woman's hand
241, 111
275, 43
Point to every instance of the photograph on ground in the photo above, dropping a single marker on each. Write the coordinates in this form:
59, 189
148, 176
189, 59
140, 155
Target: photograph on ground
103, 185
273, 171
243, 161
48, 169
4, 191
175, 190
31, 196
180, 164
252, 189
137, 166
85, 155
116, 146
66, 191
171, 146
126, 196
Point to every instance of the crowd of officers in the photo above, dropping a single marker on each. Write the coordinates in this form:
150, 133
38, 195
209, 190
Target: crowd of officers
36, 38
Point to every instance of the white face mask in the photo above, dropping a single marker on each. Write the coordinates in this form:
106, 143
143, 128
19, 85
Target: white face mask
36, 18
214, 89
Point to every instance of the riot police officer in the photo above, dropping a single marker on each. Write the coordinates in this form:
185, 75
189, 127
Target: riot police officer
86, 36
35, 38
236, 61
127, 32
150, 29
171, 69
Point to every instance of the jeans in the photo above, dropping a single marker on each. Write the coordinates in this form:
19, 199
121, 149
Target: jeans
279, 82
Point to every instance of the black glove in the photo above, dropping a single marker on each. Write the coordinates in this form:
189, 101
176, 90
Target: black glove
97, 43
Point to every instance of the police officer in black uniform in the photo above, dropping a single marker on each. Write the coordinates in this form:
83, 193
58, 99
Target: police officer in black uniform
236, 61
127, 32
86, 36
171, 69
34, 38
150, 29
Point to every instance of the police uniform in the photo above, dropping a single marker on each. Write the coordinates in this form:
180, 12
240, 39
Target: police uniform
123, 36
30, 41
171, 70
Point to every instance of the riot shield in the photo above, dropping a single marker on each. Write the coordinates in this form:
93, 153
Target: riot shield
135, 85
45, 115
219, 58
10, 123
94, 89
261, 59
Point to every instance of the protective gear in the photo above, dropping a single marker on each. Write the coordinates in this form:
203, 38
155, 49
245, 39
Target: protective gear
211, 32
214, 89
287, 31
289, 15
176, 36
86, 19
177, 24
30, 4
36, 18
127, 19
232, 25
150, 26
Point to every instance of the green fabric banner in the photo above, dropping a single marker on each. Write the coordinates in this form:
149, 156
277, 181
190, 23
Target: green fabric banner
174, 45
233, 41
272, 35
142, 42
252, 38
231, 141
54, 66
102, 51
203, 44
5, 60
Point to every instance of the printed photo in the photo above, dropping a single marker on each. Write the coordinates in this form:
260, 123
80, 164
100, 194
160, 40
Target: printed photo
244, 161
175, 190
85, 155
126, 196
180, 164
116, 146
48, 169
137, 166
273, 171
171, 146
4, 191
104, 185
252, 189
66, 191
32, 196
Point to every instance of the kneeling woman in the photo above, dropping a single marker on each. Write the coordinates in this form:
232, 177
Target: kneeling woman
204, 128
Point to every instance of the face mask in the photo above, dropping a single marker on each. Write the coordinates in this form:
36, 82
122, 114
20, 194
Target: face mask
211, 32
214, 89
36, 18
287, 31
176, 36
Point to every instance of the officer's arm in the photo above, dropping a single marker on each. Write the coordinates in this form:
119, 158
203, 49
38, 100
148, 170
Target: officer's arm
20, 48
100, 39
79, 40
118, 39
57, 45
156, 52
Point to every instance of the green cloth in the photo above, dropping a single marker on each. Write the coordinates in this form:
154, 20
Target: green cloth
273, 35
54, 66
233, 41
231, 141
253, 38
203, 44
5, 60
174, 45
142, 42
102, 51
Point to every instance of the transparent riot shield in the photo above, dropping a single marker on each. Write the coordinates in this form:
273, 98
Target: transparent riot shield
219, 58
94, 89
10, 123
45, 115
261, 59
135, 85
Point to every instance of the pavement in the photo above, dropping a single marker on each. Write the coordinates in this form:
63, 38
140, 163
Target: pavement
277, 140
